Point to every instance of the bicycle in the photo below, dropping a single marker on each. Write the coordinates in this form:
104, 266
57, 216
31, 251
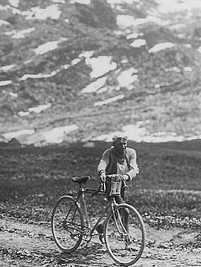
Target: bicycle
71, 225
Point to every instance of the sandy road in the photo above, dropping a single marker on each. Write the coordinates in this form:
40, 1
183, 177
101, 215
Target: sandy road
24, 244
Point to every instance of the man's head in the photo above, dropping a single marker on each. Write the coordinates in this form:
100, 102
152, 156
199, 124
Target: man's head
120, 144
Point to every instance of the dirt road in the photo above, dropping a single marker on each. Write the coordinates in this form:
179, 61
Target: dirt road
167, 194
32, 245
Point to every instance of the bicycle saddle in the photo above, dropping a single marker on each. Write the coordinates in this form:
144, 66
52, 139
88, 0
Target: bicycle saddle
81, 179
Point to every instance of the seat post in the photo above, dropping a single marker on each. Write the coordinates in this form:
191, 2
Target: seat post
84, 206
113, 201
82, 189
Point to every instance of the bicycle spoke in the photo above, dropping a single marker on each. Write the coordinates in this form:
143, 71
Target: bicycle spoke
124, 235
67, 224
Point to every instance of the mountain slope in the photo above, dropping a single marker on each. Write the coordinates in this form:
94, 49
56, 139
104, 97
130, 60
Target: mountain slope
93, 67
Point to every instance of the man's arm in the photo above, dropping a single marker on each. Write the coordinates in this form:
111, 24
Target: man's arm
133, 167
104, 161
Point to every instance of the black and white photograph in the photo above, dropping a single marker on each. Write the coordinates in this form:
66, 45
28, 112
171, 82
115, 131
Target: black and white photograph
100, 133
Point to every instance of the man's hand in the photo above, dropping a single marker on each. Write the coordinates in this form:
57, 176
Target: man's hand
125, 177
102, 176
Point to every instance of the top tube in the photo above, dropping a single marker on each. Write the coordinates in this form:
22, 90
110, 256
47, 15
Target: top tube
115, 185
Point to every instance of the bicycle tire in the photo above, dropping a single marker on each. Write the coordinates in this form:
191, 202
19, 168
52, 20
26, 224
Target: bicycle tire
125, 246
67, 224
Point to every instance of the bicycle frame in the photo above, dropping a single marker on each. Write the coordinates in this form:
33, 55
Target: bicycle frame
81, 202
115, 221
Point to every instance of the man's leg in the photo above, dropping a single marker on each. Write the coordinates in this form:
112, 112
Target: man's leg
124, 212
100, 229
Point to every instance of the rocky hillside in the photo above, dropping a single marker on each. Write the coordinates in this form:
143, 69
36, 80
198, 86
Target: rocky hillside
78, 70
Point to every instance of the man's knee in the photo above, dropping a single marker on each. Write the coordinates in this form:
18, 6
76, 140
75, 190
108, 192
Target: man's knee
119, 200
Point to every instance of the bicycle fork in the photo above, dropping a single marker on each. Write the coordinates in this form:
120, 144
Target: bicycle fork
74, 210
120, 225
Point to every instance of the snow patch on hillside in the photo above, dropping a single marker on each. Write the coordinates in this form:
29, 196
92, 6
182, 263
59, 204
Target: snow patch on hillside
138, 43
127, 77
75, 61
23, 113
177, 5
49, 46
178, 26
37, 110
7, 67
84, 2
124, 78
138, 133
109, 100
57, 135
44, 75
162, 46
199, 49
36, 12
188, 69
174, 69
51, 11
37, 76
86, 54
4, 83
100, 65
134, 35
30, 136
3, 22
16, 134
13, 95
59, 1
94, 86
114, 3
14, 3
155, 15
125, 21
10, 93
10, 8
19, 34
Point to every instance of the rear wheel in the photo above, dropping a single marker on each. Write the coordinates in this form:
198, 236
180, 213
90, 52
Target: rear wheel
124, 234
67, 224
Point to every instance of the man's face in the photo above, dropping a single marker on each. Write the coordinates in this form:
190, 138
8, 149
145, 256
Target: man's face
120, 145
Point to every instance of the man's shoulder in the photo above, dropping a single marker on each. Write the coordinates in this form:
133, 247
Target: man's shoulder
107, 151
130, 151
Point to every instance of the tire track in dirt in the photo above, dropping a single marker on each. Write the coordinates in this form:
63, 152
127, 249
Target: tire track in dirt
172, 191
32, 245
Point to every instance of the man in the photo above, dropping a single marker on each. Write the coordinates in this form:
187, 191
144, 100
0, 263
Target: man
118, 159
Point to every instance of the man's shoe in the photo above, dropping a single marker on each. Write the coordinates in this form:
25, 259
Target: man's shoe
127, 241
101, 238
100, 229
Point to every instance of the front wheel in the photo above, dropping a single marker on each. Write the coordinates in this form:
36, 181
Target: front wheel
67, 224
124, 234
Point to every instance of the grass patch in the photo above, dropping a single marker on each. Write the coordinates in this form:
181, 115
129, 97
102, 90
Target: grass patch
164, 192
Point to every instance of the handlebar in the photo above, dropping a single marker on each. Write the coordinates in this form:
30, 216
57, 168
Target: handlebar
102, 186
116, 183
114, 177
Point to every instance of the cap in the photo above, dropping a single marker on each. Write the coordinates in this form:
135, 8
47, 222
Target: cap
120, 138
